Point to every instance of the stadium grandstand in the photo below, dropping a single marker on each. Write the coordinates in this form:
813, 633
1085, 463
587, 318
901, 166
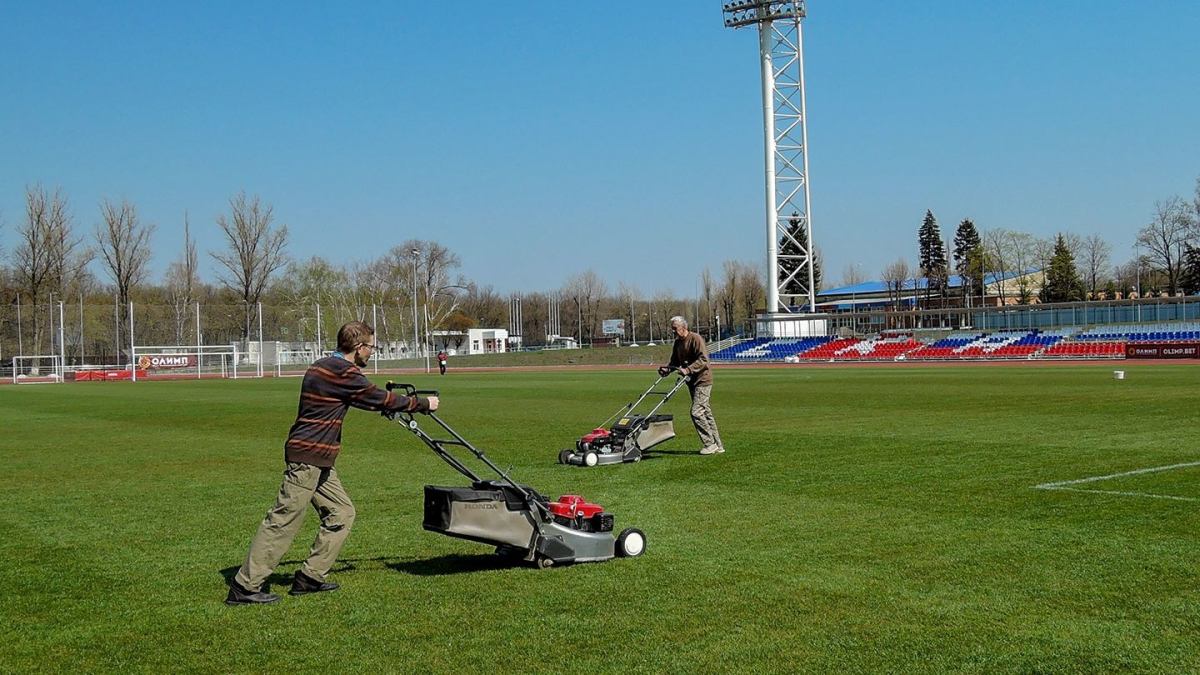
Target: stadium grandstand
959, 345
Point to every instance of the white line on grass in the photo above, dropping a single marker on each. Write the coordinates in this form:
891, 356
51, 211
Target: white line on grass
1124, 494
1061, 485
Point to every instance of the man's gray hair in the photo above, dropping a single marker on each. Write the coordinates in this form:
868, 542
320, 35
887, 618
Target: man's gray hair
679, 321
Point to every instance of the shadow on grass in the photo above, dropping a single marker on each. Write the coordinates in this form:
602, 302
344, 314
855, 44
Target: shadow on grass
651, 453
455, 563
439, 566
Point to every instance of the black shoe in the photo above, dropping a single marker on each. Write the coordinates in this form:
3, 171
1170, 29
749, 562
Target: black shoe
240, 596
303, 584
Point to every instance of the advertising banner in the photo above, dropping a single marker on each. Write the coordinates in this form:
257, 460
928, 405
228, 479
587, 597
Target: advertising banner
1155, 350
158, 361
614, 326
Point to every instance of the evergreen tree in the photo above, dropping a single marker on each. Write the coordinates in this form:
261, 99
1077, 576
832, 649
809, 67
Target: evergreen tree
798, 285
1190, 281
1062, 281
968, 258
931, 255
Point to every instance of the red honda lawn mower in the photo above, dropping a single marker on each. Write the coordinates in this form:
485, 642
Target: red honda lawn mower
631, 436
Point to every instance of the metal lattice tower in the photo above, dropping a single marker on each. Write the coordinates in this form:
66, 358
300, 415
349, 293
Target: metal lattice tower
781, 53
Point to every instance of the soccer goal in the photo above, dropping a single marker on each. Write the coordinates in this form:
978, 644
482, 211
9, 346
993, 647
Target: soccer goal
293, 362
187, 361
38, 369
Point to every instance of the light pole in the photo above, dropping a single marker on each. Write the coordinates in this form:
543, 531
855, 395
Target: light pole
651, 308
1137, 261
632, 322
415, 253
785, 134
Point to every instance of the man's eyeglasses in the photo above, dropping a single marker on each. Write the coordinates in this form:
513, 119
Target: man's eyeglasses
367, 344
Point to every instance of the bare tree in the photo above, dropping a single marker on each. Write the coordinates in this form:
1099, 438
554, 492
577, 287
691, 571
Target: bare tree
47, 259
706, 297
1126, 277
995, 259
627, 297
665, 305
852, 275
181, 280
484, 306
31, 256
437, 282
534, 317
1165, 236
729, 292
124, 247
1094, 257
586, 291
1022, 250
895, 276
753, 290
255, 250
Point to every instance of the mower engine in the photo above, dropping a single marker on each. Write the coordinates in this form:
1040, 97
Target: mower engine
597, 439
573, 511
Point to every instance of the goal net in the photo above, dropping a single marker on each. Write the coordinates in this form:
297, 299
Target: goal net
184, 361
37, 369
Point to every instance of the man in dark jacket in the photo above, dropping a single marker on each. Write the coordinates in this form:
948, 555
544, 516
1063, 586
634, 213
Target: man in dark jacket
689, 357
330, 387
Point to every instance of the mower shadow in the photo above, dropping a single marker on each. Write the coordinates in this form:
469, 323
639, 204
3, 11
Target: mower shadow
664, 454
454, 563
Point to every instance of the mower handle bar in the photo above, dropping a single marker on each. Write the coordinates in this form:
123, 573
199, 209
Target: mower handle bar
650, 392
439, 446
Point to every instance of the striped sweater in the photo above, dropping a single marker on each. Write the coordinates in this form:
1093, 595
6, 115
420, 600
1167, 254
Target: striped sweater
331, 386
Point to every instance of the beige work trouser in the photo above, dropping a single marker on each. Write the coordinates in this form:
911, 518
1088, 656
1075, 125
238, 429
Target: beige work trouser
302, 484
702, 416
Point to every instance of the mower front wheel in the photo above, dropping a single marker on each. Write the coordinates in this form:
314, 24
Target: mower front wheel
590, 458
564, 456
631, 543
544, 563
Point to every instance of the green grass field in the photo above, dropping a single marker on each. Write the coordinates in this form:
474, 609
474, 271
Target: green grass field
863, 520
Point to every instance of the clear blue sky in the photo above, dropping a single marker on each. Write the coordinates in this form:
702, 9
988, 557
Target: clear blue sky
538, 139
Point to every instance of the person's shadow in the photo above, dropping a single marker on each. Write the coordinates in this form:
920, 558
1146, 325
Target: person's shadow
453, 563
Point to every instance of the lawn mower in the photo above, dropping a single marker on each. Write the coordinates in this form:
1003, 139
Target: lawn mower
514, 518
632, 435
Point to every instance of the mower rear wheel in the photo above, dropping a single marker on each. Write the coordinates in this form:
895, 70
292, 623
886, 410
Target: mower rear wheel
590, 458
564, 455
631, 543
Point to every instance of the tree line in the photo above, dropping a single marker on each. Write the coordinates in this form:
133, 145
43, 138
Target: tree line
1166, 260
415, 283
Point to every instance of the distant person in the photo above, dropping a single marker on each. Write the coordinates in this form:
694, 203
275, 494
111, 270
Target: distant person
442, 361
689, 357
330, 387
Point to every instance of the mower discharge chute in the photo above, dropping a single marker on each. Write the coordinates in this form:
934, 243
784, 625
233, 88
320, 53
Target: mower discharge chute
632, 435
514, 518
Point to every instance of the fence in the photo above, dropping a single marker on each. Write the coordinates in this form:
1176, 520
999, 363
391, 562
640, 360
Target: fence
266, 339
1010, 317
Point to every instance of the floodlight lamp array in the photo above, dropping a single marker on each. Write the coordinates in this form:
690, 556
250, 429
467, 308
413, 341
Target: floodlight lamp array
747, 12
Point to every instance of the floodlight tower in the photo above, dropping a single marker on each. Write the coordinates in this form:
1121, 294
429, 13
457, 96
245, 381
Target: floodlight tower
785, 129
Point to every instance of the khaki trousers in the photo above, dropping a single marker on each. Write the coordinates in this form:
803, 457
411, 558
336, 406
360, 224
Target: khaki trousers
702, 416
303, 484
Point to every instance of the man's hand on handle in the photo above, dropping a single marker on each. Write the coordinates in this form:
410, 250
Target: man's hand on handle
433, 403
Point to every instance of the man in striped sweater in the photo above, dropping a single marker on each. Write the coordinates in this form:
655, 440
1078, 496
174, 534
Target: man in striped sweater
330, 387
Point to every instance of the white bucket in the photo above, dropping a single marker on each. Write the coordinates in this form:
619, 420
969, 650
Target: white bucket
1118, 374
